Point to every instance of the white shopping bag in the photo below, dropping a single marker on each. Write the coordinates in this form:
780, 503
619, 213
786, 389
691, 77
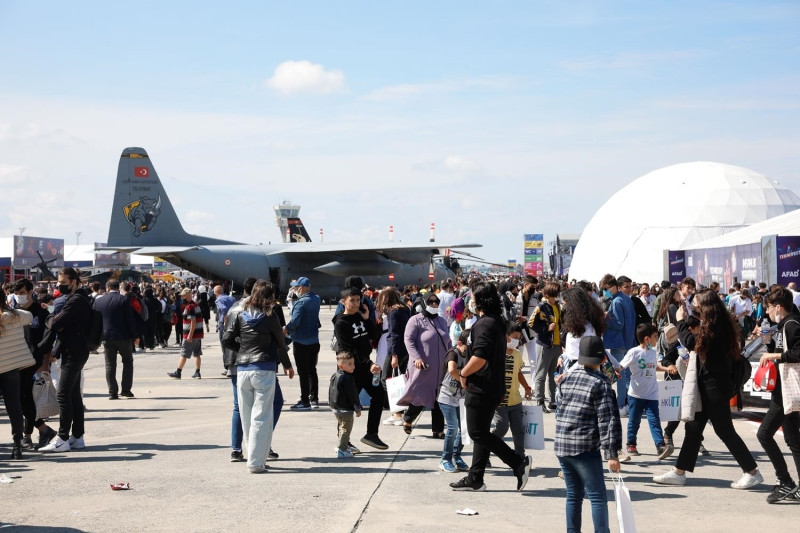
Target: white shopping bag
395, 386
624, 508
44, 396
462, 412
669, 400
533, 424
55, 372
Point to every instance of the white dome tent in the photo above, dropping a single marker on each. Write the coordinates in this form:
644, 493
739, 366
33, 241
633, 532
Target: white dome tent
695, 202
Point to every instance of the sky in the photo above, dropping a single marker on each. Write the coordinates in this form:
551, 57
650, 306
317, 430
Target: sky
491, 119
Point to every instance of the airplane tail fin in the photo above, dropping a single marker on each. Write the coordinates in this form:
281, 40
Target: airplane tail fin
297, 232
142, 214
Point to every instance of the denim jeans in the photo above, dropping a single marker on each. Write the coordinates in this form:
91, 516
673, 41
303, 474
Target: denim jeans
583, 473
256, 390
236, 419
624, 380
546, 365
452, 433
635, 408
510, 415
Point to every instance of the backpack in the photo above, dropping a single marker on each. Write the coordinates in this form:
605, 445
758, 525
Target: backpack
94, 333
145, 314
667, 335
742, 371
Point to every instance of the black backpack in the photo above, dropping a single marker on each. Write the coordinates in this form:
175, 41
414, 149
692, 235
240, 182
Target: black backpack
742, 371
94, 333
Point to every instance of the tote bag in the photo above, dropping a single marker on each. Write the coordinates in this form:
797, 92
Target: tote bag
669, 400
533, 424
44, 396
624, 508
395, 386
790, 385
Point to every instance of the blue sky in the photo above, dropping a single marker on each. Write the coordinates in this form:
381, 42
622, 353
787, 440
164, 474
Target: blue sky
492, 119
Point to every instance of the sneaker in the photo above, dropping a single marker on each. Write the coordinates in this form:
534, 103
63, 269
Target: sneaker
175, 375
466, 484
552, 407
665, 451
258, 469
374, 441
438, 435
76, 443
447, 466
315, 405
543, 406
632, 449
781, 492
460, 464
113, 396
343, 454
272, 455
623, 412
747, 481
392, 421
300, 406
523, 473
46, 436
237, 457
703, 451
56, 445
196, 375
16, 452
623, 457
26, 442
671, 477
127, 394
352, 449
668, 440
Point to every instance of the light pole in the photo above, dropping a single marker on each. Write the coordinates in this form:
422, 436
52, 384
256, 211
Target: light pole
78, 238
22, 230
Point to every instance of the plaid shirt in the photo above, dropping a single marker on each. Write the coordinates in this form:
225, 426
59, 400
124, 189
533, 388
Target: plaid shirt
587, 418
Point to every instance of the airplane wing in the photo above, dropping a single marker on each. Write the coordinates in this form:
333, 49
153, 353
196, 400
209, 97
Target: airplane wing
149, 250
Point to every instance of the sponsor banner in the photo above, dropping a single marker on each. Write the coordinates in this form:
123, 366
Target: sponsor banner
788, 252
27, 250
533, 248
677, 265
726, 265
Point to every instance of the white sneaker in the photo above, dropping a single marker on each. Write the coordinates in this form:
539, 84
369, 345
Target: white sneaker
623, 413
392, 421
670, 478
747, 481
56, 445
76, 444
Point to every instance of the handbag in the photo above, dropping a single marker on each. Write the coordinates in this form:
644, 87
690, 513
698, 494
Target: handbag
790, 386
669, 400
462, 415
395, 386
44, 395
622, 497
533, 424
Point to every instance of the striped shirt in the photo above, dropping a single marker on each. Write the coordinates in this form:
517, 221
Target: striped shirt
191, 309
587, 419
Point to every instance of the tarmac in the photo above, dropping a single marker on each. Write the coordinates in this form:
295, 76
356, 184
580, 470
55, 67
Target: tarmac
172, 445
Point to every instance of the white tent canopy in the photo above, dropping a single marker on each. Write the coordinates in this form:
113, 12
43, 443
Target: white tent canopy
674, 208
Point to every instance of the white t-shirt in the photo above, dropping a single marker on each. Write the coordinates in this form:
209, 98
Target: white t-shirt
740, 305
642, 363
648, 303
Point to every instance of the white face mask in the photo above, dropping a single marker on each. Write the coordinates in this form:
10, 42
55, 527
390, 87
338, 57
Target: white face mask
51, 308
22, 299
513, 343
472, 308
432, 310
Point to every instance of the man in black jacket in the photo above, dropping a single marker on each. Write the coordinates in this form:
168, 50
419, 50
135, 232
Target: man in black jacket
71, 325
118, 327
354, 330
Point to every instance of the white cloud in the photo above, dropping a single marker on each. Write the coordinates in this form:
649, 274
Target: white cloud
291, 77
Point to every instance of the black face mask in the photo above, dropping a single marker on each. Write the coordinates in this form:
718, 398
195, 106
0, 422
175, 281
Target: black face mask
63, 288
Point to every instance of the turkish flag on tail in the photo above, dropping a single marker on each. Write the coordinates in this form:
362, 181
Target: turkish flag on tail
141, 172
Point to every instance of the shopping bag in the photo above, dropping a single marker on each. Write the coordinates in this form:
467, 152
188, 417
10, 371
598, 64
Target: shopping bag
624, 508
462, 413
44, 396
669, 400
790, 385
395, 386
533, 424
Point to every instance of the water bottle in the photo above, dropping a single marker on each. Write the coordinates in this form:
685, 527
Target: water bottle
765, 327
376, 379
683, 352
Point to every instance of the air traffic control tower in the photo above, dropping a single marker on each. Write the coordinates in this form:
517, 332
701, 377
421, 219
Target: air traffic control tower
285, 215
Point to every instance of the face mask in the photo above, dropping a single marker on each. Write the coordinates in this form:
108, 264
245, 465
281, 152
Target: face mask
472, 308
51, 308
607, 293
63, 288
513, 343
22, 299
778, 317
432, 310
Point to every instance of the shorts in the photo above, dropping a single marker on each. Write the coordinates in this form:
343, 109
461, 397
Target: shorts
191, 348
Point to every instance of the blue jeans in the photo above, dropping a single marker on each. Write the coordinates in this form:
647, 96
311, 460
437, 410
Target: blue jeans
583, 473
635, 408
256, 389
236, 419
624, 380
452, 432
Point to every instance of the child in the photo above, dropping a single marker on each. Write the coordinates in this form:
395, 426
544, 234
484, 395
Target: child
449, 394
643, 390
509, 412
343, 399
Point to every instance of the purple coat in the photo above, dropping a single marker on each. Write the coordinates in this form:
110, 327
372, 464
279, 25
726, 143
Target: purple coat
427, 339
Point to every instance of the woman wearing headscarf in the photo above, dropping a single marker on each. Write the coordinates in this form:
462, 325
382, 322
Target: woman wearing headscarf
427, 340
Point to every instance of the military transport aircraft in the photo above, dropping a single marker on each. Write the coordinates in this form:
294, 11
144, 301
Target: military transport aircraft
144, 222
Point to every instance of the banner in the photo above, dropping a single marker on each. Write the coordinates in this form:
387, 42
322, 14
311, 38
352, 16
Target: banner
533, 248
110, 258
788, 263
27, 250
726, 265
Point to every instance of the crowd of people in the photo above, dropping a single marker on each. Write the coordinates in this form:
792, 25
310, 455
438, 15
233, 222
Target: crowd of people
460, 346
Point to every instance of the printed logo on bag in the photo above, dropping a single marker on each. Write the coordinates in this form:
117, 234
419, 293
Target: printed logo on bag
670, 401
531, 429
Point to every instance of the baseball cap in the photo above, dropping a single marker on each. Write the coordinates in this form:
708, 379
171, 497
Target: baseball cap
591, 351
301, 282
